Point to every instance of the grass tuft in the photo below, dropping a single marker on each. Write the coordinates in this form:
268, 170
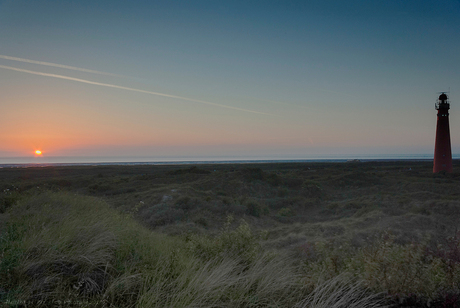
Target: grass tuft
342, 292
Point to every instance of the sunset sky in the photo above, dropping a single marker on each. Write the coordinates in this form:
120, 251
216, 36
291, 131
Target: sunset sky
230, 79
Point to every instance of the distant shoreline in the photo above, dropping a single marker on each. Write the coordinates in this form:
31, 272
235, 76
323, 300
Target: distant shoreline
214, 162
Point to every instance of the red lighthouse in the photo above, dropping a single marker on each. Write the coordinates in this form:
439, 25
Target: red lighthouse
442, 150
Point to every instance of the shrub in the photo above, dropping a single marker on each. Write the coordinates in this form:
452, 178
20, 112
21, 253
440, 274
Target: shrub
285, 212
255, 209
184, 203
282, 192
191, 170
7, 199
273, 179
253, 174
226, 200
240, 242
202, 221
293, 183
411, 274
163, 214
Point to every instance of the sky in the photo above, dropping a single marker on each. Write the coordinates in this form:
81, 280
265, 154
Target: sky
226, 79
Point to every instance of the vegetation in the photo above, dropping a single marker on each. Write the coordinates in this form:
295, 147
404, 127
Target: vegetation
268, 235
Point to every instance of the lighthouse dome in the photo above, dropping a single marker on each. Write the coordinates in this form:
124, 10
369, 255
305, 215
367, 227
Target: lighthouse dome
443, 97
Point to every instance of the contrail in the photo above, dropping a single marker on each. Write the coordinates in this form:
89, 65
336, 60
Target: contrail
58, 65
128, 89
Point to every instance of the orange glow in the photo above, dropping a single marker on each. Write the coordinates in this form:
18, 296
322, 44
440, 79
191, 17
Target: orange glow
38, 152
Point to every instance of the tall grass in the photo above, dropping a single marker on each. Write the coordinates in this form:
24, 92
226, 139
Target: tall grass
62, 249
65, 247
342, 292
225, 283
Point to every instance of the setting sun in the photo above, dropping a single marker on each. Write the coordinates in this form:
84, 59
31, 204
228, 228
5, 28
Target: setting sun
38, 152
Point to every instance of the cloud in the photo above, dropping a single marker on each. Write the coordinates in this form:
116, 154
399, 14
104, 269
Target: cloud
58, 65
129, 89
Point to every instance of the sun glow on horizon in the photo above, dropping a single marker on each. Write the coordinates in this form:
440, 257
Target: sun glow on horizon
38, 153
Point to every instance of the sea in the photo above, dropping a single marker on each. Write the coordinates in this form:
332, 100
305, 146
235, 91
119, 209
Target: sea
18, 162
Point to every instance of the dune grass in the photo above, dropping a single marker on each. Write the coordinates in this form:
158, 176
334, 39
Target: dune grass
336, 235
65, 249
342, 291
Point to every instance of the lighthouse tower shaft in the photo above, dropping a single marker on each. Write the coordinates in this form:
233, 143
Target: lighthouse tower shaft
442, 148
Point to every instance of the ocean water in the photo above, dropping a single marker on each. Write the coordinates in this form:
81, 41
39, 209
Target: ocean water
64, 161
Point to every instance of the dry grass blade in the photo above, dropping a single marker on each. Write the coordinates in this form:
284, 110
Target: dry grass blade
342, 292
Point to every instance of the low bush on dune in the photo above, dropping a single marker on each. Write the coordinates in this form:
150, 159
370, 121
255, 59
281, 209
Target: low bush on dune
240, 243
412, 275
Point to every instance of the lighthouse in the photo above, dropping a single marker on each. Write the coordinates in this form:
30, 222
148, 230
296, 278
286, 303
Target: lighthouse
442, 150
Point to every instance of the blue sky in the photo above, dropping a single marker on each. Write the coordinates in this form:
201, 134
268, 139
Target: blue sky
259, 79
